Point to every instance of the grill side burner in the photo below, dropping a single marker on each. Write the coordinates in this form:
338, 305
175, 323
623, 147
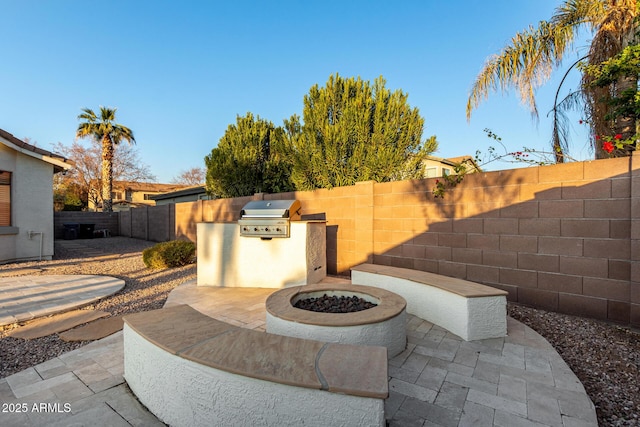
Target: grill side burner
268, 218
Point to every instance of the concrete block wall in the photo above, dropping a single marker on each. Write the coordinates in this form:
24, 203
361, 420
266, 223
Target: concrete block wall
140, 223
102, 221
124, 219
348, 212
557, 237
634, 273
560, 237
161, 221
153, 223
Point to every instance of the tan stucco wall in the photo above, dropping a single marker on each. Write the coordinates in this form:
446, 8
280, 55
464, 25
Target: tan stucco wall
431, 163
138, 196
31, 207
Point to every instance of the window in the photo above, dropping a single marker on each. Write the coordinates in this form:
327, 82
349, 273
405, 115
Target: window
148, 196
5, 199
446, 171
431, 172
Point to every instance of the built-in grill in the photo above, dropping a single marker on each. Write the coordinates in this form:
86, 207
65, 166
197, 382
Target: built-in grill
268, 218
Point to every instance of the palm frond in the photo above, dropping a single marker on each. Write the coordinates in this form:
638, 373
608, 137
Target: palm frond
560, 130
525, 64
575, 13
87, 115
560, 134
107, 114
527, 61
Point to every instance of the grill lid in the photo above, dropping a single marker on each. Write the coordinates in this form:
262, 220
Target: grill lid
289, 209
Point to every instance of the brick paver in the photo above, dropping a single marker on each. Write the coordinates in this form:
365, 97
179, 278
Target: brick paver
518, 380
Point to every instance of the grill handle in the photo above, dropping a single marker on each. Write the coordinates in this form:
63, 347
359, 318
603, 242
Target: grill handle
263, 216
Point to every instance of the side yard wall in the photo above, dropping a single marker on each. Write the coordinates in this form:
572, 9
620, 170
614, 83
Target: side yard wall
101, 221
154, 223
561, 237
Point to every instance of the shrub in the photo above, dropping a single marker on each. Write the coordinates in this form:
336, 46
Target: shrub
175, 253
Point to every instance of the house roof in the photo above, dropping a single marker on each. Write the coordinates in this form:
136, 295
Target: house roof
59, 162
146, 186
198, 189
454, 161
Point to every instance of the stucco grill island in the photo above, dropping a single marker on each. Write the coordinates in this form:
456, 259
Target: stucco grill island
270, 246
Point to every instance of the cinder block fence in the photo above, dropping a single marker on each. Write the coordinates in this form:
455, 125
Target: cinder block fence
560, 237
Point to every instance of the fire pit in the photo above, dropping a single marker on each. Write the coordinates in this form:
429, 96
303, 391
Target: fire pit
382, 325
334, 304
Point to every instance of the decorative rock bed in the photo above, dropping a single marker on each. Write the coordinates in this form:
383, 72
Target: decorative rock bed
334, 304
383, 325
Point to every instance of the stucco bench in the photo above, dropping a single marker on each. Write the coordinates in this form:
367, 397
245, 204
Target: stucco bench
191, 370
470, 310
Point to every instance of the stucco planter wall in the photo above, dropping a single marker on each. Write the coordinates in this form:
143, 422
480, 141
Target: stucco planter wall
181, 392
454, 304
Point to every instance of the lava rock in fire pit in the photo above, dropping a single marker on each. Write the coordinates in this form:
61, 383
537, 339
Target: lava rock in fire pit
334, 304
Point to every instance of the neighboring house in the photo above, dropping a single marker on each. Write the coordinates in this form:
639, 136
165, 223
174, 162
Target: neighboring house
26, 199
128, 194
190, 194
435, 167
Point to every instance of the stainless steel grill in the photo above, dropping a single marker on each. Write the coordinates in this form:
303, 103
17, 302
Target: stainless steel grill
268, 218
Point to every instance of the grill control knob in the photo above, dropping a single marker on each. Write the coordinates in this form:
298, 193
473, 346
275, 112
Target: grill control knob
277, 229
266, 229
255, 229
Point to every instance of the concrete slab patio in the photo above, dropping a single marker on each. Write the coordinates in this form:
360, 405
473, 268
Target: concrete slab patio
28, 297
438, 380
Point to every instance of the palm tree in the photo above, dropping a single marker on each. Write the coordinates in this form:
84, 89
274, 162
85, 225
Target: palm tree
110, 133
527, 62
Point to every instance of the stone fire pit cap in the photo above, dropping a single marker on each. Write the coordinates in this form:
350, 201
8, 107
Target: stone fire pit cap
280, 304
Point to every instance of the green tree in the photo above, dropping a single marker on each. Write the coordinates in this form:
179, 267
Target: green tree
527, 61
354, 131
104, 129
250, 158
625, 65
84, 180
68, 196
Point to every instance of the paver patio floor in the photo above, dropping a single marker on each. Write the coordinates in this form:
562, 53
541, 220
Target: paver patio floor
438, 380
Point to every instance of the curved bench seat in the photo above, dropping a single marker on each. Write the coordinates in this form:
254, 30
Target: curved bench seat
190, 369
470, 310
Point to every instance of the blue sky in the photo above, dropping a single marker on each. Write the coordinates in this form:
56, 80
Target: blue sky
180, 72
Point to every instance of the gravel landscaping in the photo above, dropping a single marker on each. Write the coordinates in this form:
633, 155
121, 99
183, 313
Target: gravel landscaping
605, 357
144, 290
